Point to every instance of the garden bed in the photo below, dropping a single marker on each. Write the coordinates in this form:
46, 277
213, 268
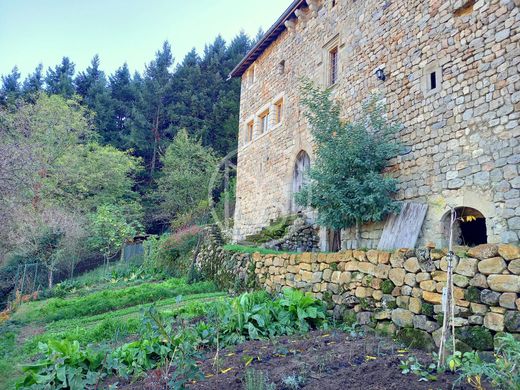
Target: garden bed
320, 359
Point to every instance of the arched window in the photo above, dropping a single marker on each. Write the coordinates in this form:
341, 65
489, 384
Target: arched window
301, 166
469, 229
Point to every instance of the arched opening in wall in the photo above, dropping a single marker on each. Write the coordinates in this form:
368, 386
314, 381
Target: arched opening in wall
301, 167
333, 240
469, 229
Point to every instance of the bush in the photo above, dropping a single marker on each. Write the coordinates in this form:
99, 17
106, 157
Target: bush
503, 373
173, 253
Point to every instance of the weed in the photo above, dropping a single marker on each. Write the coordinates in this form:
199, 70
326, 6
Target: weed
257, 380
294, 382
413, 366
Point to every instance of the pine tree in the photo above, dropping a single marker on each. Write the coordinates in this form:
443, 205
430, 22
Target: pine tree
11, 89
33, 84
91, 85
59, 80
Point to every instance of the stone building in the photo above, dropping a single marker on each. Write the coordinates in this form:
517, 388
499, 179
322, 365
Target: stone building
448, 71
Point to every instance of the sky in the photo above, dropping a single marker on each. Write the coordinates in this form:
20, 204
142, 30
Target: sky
43, 31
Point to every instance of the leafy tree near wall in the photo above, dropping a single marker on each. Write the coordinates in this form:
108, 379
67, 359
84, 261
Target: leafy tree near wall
110, 229
347, 185
184, 185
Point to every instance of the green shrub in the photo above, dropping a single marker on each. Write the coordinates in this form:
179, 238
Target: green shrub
108, 300
477, 337
503, 373
174, 252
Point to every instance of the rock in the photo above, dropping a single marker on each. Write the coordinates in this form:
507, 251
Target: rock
460, 281
382, 270
432, 297
514, 266
372, 256
396, 275
428, 285
416, 338
422, 322
386, 327
475, 320
479, 280
383, 315
402, 318
397, 258
439, 276
402, 302
327, 274
443, 265
412, 265
483, 251
415, 305
472, 294
478, 308
467, 267
489, 297
383, 258
406, 290
508, 300
493, 265
409, 279
509, 251
512, 321
366, 268
364, 318
504, 283
494, 321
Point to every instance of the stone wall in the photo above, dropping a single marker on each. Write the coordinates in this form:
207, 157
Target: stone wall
399, 290
463, 138
301, 237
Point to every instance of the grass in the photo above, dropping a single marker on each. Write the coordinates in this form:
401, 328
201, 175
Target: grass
93, 316
54, 309
253, 249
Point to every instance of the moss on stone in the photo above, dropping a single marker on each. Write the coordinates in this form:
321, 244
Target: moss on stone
415, 338
391, 305
277, 229
476, 337
334, 266
427, 309
387, 286
349, 317
472, 294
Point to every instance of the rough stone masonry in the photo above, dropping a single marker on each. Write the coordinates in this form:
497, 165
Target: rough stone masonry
461, 129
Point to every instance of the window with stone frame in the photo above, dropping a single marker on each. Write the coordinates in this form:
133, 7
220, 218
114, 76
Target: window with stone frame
249, 130
432, 79
264, 121
251, 76
333, 66
278, 112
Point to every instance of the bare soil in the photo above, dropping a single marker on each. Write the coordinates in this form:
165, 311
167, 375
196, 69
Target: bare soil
325, 359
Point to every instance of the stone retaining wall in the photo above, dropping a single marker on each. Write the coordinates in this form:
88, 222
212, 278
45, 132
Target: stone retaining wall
393, 291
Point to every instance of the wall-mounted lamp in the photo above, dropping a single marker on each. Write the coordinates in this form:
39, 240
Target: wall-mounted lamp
380, 74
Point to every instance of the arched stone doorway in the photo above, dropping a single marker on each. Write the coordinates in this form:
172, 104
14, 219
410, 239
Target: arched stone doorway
469, 229
301, 167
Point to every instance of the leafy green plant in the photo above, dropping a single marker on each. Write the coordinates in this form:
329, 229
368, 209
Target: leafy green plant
413, 366
65, 365
304, 310
503, 373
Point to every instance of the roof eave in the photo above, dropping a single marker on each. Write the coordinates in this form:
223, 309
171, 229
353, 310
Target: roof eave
268, 38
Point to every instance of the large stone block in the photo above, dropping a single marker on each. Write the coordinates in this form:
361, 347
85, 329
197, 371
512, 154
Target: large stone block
367, 268
396, 275
467, 267
493, 265
509, 251
514, 266
504, 283
494, 321
432, 297
412, 265
484, 251
382, 271
402, 317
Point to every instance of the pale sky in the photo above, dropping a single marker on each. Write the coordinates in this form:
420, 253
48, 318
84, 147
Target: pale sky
34, 31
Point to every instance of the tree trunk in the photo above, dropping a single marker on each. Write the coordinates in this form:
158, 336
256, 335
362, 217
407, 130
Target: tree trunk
50, 277
156, 138
358, 233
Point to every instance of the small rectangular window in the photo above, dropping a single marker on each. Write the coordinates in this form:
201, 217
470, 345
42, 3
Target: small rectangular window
249, 131
278, 111
264, 122
334, 2
333, 66
433, 80
281, 67
251, 76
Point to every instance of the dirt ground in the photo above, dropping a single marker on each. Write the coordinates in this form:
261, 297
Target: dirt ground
326, 360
